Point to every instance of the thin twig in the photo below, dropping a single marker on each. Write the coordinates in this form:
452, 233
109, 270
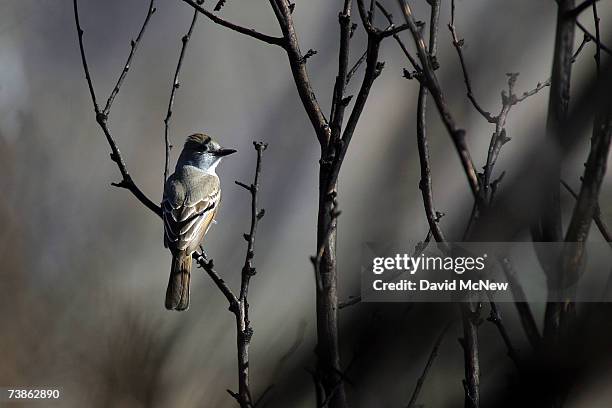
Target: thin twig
425, 184
316, 260
495, 318
431, 81
102, 120
128, 63
300, 74
256, 214
550, 225
575, 12
458, 44
355, 66
601, 45
209, 267
499, 138
175, 86
597, 38
585, 39
372, 71
239, 305
339, 103
430, 361
471, 320
243, 324
524, 311
235, 27
219, 5
595, 170
599, 222
399, 41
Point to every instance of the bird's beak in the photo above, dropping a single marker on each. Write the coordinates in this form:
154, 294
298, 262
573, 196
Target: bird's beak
224, 152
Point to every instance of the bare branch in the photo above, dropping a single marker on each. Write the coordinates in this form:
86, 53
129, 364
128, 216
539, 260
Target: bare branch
355, 67
316, 260
471, 320
372, 71
128, 63
431, 81
209, 266
239, 305
550, 227
575, 12
539, 86
601, 45
430, 361
248, 269
243, 325
219, 5
458, 44
92, 92
601, 225
393, 31
495, 318
235, 27
588, 198
102, 118
425, 184
397, 38
585, 39
300, 74
338, 102
175, 86
524, 311
597, 38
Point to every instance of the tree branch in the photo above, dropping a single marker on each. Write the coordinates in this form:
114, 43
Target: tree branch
524, 311
597, 38
338, 102
575, 12
550, 222
601, 225
300, 74
458, 44
425, 184
588, 198
431, 81
128, 63
175, 86
239, 305
430, 361
399, 41
256, 214
235, 27
470, 313
102, 116
209, 267
601, 45
372, 71
495, 318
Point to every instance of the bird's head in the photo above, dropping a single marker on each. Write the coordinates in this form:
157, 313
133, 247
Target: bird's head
202, 151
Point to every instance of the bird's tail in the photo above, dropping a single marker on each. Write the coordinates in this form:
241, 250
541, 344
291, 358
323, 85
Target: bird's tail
177, 295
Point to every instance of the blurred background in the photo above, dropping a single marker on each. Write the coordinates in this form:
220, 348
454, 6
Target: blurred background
83, 270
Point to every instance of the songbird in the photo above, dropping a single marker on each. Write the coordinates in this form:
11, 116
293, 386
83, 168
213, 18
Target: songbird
190, 202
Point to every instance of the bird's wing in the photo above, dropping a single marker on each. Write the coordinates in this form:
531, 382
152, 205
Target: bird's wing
189, 207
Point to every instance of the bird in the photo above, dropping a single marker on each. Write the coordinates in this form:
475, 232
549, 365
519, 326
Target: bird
190, 202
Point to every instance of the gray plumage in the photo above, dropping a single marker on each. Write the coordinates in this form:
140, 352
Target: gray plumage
190, 203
